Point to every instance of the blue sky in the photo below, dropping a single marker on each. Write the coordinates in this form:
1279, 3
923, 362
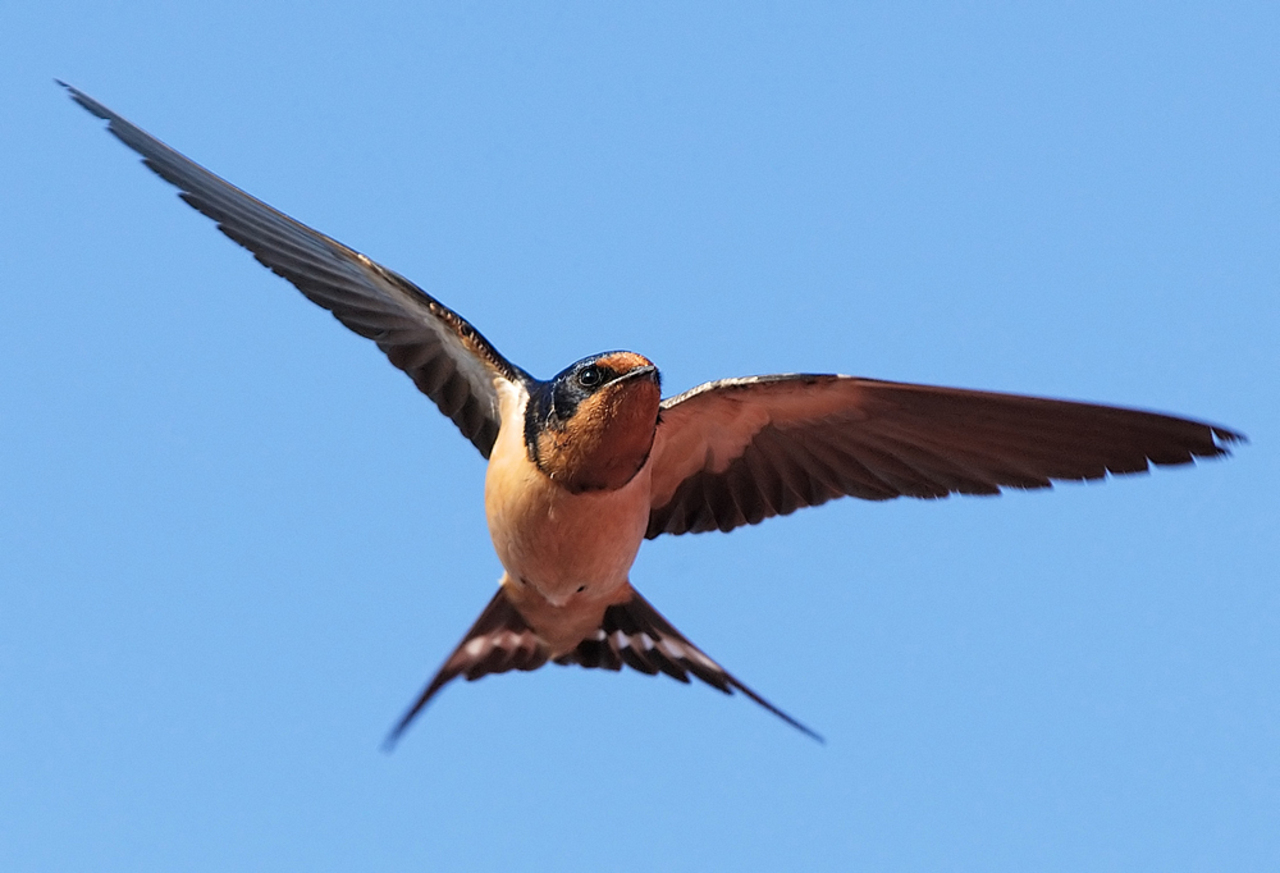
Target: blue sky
234, 542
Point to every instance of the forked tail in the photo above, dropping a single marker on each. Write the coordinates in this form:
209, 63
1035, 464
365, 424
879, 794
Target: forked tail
631, 633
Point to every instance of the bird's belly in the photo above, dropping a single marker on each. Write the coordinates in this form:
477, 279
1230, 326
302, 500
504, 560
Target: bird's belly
565, 546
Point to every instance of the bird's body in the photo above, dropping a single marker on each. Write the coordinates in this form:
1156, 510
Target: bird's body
585, 466
566, 554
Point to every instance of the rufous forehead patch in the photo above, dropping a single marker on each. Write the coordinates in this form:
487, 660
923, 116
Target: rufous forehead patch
623, 362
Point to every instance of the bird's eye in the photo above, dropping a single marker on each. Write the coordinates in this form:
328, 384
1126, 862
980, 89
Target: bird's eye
590, 377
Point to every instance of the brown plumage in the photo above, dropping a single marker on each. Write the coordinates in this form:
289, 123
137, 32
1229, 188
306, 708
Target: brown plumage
739, 451
584, 466
627, 633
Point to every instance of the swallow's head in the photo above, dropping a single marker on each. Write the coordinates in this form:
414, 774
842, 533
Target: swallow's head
591, 427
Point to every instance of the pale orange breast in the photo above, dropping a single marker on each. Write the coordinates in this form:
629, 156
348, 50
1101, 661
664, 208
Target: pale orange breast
563, 545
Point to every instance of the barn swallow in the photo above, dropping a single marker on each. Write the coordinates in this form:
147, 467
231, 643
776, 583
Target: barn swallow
587, 465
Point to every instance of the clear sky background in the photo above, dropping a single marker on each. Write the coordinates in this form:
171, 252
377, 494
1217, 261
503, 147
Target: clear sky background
235, 542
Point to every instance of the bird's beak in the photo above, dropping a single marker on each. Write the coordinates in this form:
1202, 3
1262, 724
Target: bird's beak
648, 371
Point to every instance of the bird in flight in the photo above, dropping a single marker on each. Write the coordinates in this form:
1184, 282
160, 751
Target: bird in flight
585, 466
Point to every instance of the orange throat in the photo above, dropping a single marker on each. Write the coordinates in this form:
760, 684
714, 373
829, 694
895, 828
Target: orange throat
608, 440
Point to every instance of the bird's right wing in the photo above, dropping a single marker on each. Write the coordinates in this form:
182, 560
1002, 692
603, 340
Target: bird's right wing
447, 358
738, 451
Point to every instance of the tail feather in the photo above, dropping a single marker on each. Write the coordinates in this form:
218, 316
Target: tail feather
631, 633
636, 634
499, 641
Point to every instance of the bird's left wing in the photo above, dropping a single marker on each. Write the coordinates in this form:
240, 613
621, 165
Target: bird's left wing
447, 358
738, 451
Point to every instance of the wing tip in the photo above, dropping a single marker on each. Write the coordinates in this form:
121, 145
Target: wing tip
1216, 441
1227, 438
87, 102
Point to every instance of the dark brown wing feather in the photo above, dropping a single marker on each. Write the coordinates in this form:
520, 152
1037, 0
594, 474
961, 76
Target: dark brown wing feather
447, 358
738, 451
635, 634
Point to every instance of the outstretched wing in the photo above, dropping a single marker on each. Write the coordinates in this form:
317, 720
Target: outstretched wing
446, 357
738, 451
635, 634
